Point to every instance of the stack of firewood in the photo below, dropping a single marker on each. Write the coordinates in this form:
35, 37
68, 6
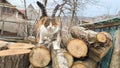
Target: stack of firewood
81, 48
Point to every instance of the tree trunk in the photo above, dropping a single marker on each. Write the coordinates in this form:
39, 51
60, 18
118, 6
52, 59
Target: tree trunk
75, 47
40, 56
16, 58
115, 60
88, 35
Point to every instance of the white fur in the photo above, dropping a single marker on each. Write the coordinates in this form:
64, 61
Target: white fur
47, 32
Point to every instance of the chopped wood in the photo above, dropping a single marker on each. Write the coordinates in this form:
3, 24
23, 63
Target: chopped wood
14, 52
115, 60
40, 56
75, 47
20, 45
89, 35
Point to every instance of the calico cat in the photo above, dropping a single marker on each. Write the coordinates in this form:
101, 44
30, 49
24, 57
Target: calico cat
46, 26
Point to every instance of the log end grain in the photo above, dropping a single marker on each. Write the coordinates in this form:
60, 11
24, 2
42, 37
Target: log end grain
77, 48
40, 57
101, 37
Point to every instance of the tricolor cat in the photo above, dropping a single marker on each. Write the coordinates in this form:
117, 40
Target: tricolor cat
46, 26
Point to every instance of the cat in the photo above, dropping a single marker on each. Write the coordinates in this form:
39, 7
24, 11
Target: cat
46, 26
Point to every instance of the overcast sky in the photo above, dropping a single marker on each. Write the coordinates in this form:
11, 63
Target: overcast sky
101, 8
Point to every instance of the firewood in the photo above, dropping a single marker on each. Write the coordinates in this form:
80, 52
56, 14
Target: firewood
75, 47
115, 60
14, 58
39, 56
89, 35
20, 45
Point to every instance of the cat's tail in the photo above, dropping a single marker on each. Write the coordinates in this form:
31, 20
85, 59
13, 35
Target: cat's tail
42, 7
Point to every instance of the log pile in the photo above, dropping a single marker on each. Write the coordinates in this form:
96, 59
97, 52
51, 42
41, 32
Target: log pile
82, 48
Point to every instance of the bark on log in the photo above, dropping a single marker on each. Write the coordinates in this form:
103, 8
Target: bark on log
20, 59
58, 58
99, 52
69, 58
39, 56
115, 60
75, 47
20, 45
88, 35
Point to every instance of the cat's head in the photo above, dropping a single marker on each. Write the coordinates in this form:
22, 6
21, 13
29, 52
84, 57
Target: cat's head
50, 23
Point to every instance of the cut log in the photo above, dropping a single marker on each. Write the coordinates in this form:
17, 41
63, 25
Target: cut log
75, 47
88, 35
14, 58
115, 60
20, 45
39, 56
99, 52
102, 38
79, 65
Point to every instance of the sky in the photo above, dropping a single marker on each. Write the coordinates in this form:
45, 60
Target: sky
100, 8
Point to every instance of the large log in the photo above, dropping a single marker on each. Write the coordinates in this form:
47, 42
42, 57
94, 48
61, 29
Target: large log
115, 60
75, 47
89, 35
39, 56
16, 58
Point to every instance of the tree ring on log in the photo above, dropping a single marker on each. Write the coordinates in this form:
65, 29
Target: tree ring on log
40, 57
77, 48
101, 37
